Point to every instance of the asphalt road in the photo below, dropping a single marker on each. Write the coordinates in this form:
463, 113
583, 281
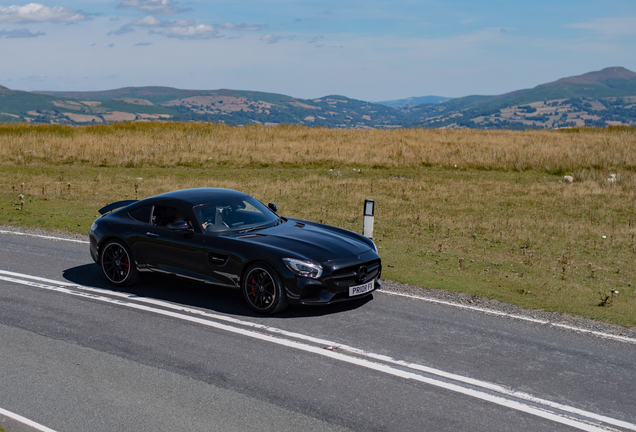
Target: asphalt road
167, 354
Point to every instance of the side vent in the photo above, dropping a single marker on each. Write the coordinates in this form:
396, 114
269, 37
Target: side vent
217, 258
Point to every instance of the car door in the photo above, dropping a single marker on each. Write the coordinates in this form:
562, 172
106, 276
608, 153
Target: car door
168, 251
183, 253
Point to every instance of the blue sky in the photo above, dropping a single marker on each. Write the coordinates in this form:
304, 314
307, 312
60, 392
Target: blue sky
370, 49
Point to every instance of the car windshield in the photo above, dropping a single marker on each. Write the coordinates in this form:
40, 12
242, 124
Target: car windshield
239, 214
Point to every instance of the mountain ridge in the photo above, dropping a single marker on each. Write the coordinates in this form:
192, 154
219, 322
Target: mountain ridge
415, 100
562, 103
598, 77
598, 98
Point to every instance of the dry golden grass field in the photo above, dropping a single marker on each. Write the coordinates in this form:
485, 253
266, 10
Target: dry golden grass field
479, 212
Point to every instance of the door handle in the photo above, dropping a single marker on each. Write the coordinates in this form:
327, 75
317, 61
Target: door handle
151, 234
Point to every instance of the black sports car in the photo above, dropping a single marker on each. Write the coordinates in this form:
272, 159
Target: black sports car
228, 238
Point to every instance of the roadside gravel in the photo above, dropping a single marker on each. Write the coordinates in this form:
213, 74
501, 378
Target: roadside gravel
506, 308
456, 298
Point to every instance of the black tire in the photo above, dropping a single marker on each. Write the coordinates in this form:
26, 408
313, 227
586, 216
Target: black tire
118, 264
263, 289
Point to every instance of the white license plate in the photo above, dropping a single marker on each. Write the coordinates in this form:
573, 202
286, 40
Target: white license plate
361, 289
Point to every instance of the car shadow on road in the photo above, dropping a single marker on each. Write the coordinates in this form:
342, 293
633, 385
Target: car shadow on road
199, 295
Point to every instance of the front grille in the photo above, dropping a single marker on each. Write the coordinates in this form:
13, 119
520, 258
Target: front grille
351, 276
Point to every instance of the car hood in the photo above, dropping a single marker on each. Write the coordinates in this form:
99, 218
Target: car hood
314, 241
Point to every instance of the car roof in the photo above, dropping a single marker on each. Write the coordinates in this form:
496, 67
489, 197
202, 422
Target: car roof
199, 195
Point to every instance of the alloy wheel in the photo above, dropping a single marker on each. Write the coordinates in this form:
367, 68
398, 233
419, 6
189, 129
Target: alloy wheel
260, 289
115, 263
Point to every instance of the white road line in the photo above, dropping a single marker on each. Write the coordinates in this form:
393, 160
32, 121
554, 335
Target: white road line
427, 299
43, 236
581, 424
507, 315
25, 421
472, 308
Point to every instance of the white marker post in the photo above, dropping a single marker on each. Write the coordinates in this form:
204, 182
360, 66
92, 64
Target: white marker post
367, 222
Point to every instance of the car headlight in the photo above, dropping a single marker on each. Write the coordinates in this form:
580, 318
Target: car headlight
303, 268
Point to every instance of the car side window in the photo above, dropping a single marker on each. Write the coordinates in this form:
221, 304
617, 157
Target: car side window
165, 216
142, 214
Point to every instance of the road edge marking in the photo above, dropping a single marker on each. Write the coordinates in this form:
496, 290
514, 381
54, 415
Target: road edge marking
43, 236
509, 315
24, 420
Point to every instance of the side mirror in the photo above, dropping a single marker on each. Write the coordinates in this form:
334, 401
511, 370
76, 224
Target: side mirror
180, 226
273, 207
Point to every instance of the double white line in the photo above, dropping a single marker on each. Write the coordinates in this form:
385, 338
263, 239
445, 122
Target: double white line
559, 413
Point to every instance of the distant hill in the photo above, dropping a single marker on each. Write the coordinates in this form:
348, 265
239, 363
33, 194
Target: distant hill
21, 106
422, 100
158, 95
604, 77
232, 107
594, 99
601, 98
14, 104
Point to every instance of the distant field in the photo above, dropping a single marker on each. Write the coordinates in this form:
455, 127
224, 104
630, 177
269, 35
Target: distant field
478, 212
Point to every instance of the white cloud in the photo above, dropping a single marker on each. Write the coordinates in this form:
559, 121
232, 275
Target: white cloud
623, 26
21, 33
241, 27
190, 32
35, 12
161, 7
183, 29
151, 22
270, 39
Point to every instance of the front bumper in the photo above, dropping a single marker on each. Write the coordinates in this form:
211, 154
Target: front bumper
333, 286
325, 297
